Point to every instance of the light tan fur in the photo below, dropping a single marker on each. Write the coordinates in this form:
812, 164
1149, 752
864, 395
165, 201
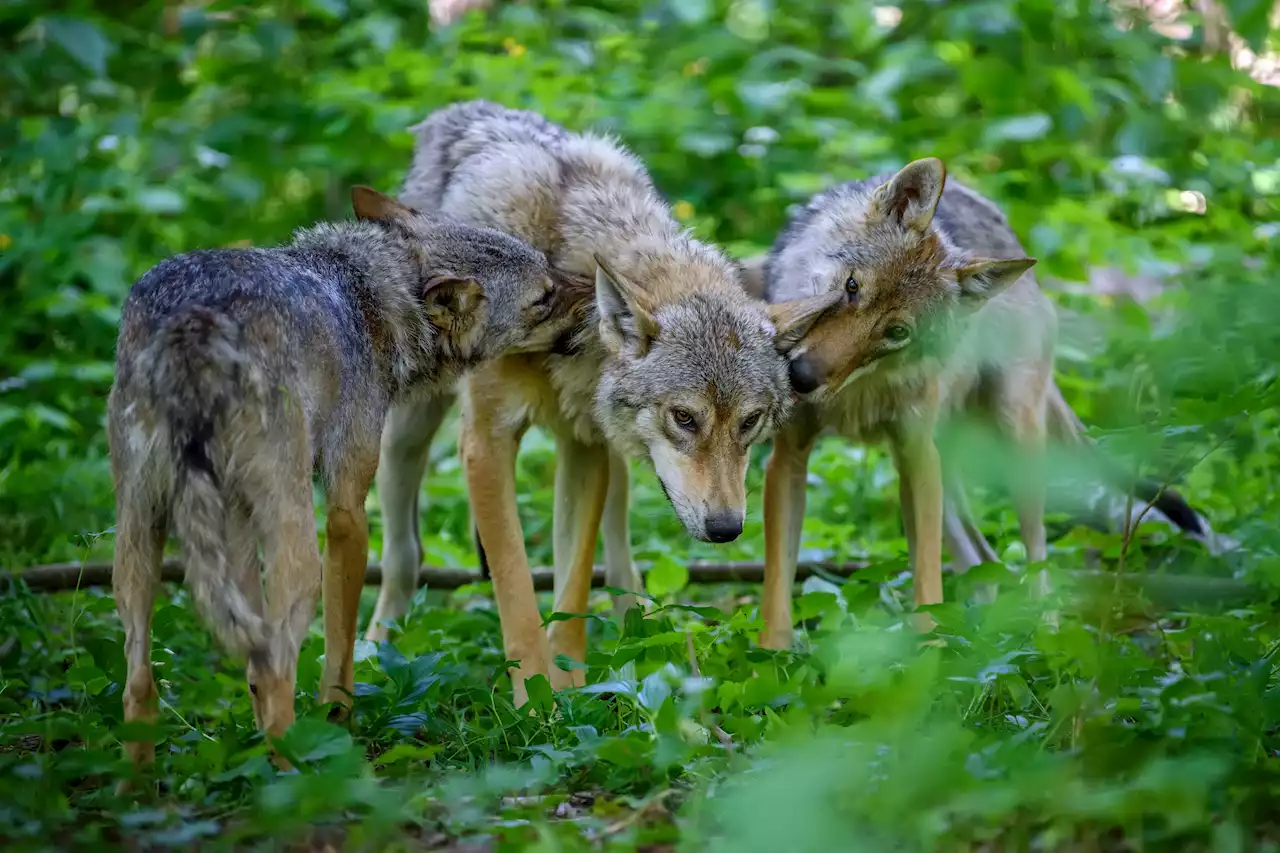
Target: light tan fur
921, 324
674, 363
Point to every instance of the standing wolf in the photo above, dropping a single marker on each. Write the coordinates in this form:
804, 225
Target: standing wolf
672, 362
929, 324
239, 371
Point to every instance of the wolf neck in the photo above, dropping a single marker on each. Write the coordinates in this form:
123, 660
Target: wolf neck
644, 245
384, 289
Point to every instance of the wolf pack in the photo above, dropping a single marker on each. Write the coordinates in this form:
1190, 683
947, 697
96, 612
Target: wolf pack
536, 276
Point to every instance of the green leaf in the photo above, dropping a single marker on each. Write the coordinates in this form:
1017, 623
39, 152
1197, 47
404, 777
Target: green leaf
82, 41
666, 577
568, 664
541, 698
1249, 18
1025, 128
310, 740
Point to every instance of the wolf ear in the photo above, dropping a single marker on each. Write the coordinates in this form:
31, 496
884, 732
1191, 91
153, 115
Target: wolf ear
624, 314
794, 319
983, 278
449, 301
911, 196
372, 205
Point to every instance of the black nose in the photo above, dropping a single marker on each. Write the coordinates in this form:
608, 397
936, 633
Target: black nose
724, 526
804, 375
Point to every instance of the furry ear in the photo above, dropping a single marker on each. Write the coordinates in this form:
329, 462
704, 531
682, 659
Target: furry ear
370, 204
911, 196
794, 319
624, 314
983, 278
752, 269
450, 301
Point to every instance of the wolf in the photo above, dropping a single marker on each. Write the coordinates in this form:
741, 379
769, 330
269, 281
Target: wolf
672, 362
939, 317
240, 372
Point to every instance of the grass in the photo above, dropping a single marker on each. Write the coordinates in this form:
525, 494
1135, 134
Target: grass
1129, 728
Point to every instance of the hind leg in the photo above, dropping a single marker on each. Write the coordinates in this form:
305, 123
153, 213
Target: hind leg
619, 571
286, 520
960, 532
1027, 421
140, 535
346, 558
406, 445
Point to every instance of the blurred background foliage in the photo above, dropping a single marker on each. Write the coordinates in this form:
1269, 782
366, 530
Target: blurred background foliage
1126, 159
1135, 148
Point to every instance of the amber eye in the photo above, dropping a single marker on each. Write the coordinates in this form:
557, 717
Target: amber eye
750, 423
851, 286
683, 419
897, 333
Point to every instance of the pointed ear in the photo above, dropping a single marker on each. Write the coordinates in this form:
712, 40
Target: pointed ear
624, 314
912, 195
372, 205
794, 319
983, 278
752, 269
450, 301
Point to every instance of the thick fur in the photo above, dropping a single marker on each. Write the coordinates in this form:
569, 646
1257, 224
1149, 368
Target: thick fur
939, 316
672, 362
239, 371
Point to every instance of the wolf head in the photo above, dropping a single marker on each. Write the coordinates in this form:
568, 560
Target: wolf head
693, 381
904, 288
483, 291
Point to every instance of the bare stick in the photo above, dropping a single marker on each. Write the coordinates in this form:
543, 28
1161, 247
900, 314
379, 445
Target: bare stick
61, 577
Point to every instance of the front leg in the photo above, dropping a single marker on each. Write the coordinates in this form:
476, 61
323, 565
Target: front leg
920, 488
582, 481
784, 499
490, 441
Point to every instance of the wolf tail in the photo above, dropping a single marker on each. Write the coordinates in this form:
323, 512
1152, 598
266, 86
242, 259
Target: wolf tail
1065, 426
196, 369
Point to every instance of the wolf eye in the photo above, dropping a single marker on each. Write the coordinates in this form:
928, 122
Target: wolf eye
897, 333
851, 286
750, 423
683, 419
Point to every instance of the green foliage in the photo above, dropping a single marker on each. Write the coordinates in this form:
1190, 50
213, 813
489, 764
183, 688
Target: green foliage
150, 129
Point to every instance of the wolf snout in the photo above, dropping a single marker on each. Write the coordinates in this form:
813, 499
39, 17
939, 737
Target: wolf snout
805, 375
724, 526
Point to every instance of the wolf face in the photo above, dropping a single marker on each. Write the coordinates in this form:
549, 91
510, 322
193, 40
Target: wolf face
904, 288
483, 291
691, 385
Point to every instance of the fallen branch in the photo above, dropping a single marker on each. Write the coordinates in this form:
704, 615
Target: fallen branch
1164, 590
62, 577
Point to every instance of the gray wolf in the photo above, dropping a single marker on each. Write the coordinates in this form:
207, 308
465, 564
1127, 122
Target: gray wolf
239, 372
672, 362
939, 316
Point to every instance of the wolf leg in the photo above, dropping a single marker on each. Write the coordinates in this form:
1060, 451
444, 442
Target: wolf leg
960, 532
490, 440
284, 512
346, 559
619, 571
920, 487
140, 535
1028, 488
784, 500
406, 445
582, 482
